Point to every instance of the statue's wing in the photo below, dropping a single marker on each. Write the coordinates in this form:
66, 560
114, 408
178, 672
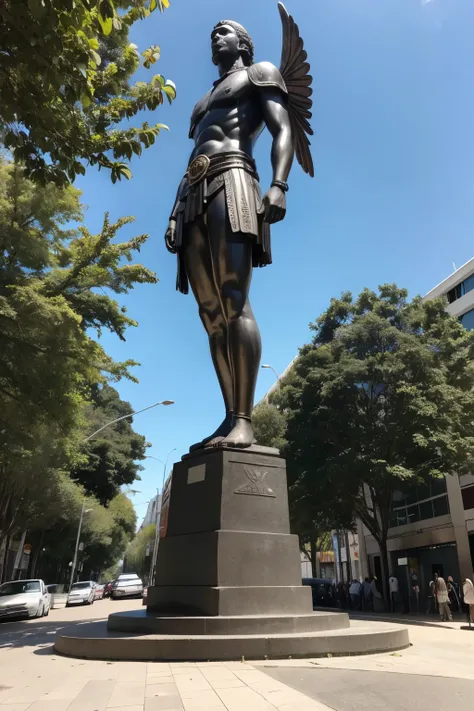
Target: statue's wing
295, 72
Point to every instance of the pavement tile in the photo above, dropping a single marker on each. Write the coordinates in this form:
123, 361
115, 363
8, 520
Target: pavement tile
227, 683
245, 698
203, 701
127, 693
14, 707
164, 703
153, 679
161, 690
214, 673
59, 705
66, 690
127, 708
94, 696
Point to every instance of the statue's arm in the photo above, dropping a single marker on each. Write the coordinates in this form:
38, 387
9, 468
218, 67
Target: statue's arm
170, 235
278, 122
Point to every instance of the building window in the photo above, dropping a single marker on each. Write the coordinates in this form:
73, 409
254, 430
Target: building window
468, 497
420, 502
460, 289
467, 320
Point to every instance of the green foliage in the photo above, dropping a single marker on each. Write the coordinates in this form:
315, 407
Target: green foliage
111, 457
136, 558
55, 285
65, 85
381, 398
269, 425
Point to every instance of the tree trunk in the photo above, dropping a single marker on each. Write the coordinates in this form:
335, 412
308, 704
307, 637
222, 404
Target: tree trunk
312, 547
348, 556
384, 566
5, 559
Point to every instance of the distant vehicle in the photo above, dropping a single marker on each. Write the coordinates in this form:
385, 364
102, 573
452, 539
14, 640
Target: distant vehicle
24, 598
82, 593
322, 590
127, 585
108, 588
98, 592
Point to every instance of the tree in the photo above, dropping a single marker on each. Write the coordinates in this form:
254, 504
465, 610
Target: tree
65, 85
269, 425
382, 398
55, 286
111, 457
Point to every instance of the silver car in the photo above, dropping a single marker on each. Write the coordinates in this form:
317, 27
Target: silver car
127, 585
82, 593
24, 598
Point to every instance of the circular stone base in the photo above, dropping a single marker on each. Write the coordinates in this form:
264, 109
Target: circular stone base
143, 622
95, 641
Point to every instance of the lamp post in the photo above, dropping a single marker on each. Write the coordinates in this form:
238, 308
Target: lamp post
131, 414
79, 528
157, 531
270, 367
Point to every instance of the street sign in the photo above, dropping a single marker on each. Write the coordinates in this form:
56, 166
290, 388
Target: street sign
27, 549
81, 546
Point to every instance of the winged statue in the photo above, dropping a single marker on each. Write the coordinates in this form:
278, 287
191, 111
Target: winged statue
219, 226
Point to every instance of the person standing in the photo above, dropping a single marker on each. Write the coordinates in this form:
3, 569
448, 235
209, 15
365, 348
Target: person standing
468, 593
443, 599
393, 587
355, 593
366, 595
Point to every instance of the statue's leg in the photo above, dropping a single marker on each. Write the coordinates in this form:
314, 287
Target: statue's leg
199, 267
232, 259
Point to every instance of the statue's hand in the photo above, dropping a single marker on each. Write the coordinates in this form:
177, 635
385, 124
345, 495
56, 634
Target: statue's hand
275, 205
170, 236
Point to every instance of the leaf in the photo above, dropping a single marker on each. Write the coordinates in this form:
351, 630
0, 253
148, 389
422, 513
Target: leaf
106, 24
37, 8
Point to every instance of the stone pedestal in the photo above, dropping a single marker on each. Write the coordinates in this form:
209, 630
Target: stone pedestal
228, 548
228, 581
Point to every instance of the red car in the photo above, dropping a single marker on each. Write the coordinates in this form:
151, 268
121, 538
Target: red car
108, 588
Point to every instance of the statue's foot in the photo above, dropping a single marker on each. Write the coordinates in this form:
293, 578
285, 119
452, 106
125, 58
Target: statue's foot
241, 435
222, 431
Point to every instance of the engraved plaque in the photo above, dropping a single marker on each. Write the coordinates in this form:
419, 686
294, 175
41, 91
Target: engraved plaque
196, 474
256, 485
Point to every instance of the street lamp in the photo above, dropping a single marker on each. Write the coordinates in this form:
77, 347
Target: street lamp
131, 414
74, 562
270, 367
157, 531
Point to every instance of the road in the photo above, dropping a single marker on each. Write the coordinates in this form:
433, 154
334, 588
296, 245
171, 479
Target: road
437, 671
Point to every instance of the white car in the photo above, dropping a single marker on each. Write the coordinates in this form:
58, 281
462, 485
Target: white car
82, 593
24, 598
127, 585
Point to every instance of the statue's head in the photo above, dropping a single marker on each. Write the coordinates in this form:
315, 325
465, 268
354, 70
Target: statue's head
229, 40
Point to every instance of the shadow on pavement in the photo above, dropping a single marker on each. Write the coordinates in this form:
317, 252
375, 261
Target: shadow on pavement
33, 633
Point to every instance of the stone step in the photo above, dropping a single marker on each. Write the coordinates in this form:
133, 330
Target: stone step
94, 641
141, 622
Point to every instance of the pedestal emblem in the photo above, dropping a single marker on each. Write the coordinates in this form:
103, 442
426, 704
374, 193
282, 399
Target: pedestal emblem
257, 487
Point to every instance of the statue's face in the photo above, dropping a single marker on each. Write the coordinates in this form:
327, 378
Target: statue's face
225, 44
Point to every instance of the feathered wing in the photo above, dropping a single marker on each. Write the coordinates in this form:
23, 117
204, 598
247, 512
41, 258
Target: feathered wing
295, 72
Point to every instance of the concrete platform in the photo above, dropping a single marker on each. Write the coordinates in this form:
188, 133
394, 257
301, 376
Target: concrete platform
95, 641
143, 622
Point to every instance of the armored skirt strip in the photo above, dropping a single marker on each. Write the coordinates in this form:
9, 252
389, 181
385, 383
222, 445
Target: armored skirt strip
236, 174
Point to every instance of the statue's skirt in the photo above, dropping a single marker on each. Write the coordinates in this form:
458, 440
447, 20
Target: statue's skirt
236, 174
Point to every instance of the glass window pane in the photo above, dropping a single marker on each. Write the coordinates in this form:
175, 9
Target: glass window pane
426, 510
438, 486
467, 285
413, 513
440, 506
467, 320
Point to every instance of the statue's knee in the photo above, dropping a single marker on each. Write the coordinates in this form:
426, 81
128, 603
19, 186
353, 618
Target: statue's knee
212, 319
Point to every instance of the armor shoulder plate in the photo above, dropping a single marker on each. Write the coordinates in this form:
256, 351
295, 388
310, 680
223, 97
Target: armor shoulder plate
266, 74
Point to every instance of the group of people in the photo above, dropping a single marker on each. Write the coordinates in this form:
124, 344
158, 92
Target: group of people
444, 596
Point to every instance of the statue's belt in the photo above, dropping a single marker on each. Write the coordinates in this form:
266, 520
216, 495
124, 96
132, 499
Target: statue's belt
208, 167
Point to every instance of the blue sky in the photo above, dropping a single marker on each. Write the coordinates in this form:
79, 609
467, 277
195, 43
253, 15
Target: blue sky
392, 199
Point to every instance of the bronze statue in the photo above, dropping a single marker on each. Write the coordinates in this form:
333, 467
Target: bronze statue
220, 225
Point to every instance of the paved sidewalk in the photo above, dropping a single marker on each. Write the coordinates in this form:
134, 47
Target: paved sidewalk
34, 678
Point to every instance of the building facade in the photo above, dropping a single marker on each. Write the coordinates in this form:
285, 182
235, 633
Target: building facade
152, 515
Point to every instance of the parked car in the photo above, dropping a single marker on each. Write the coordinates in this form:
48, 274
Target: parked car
127, 585
82, 593
24, 598
108, 588
98, 592
322, 590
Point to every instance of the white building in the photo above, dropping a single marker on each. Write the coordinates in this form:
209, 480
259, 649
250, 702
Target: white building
152, 515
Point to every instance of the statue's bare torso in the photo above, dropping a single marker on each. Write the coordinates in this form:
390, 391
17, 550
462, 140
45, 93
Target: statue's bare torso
229, 117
